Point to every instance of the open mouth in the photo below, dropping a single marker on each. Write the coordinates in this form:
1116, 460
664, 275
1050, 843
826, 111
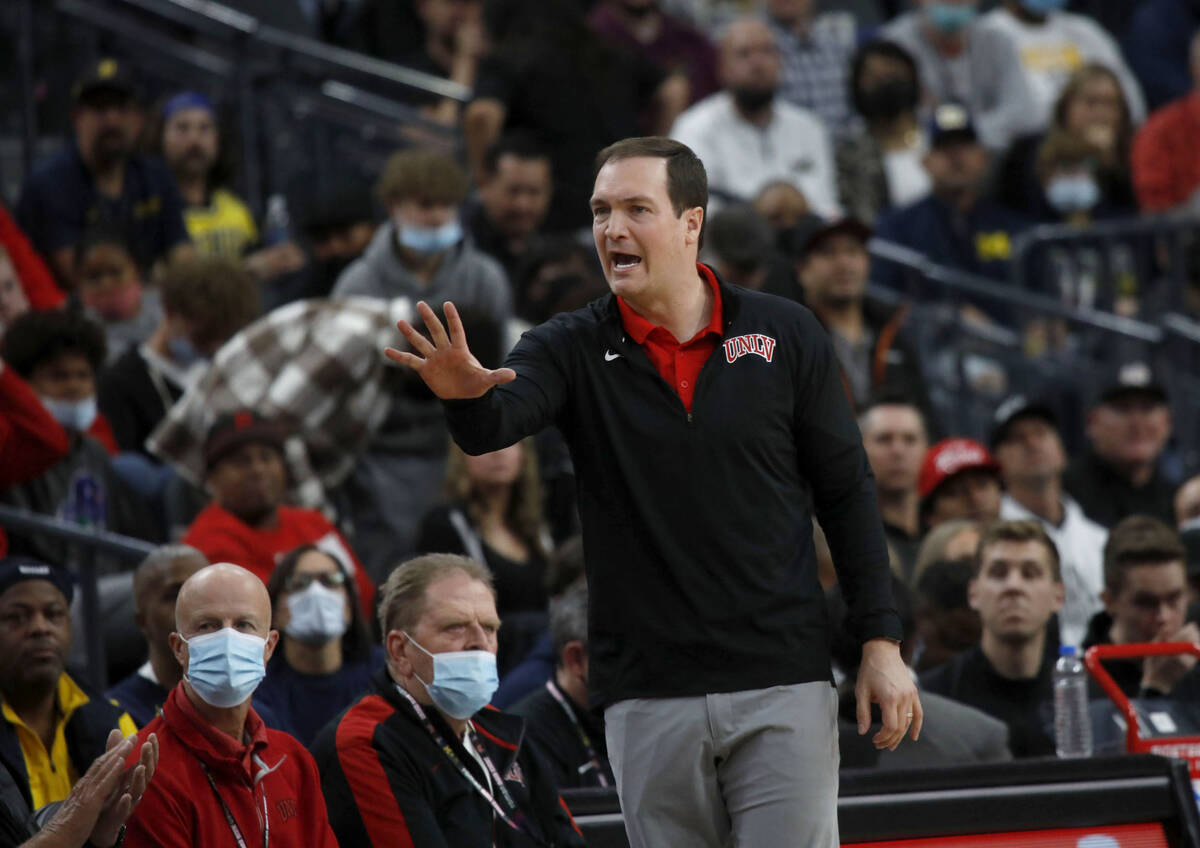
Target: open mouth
625, 261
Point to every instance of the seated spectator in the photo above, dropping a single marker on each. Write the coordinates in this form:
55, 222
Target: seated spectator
111, 290
43, 706
815, 61
879, 159
515, 187
204, 302
560, 727
1165, 174
1128, 426
13, 301
564, 570
1048, 45
94, 812
1145, 600
783, 206
946, 624
957, 735
558, 275
1069, 170
59, 353
748, 136
420, 252
218, 221
337, 222
98, 178
324, 661
741, 247
953, 540
31, 273
1026, 443
494, 515
869, 337
1016, 589
247, 521
548, 74
895, 438
31, 440
959, 479
644, 27
1157, 44
1092, 106
411, 760
955, 225
218, 763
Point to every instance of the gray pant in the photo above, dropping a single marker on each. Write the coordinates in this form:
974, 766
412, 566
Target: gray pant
754, 769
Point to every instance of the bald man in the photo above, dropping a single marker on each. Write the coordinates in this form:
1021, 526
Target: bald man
748, 137
224, 777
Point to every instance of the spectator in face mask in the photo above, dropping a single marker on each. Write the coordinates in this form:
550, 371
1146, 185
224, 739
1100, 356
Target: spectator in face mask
326, 659
224, 777
879, 162
420, 252
58, 354
111, 290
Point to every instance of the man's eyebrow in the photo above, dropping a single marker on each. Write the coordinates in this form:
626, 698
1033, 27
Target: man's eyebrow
637, 198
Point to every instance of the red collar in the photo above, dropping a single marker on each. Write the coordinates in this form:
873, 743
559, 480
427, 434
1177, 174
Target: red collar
639, 328
213, 747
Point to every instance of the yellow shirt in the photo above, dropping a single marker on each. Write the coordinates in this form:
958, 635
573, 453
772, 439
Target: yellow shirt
51, 773
223, 228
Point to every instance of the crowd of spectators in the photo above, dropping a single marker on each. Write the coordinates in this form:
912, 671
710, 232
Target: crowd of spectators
175, 372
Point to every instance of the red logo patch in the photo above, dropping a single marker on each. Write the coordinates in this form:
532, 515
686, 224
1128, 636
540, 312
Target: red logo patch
755, 343
515, 774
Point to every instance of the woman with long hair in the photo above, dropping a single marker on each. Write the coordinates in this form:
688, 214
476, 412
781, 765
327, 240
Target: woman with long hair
326, 654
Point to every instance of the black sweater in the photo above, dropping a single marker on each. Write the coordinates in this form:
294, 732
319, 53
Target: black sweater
697, 526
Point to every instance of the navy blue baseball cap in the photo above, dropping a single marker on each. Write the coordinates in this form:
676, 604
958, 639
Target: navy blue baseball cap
951, 122
18, 569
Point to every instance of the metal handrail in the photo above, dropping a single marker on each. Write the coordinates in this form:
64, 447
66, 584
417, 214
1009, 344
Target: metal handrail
88, 542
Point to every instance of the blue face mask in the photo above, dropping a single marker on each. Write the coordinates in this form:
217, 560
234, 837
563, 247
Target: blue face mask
225, 667
1043, 7
1073, 194
74, 415
950, 18
430, 240
463, 681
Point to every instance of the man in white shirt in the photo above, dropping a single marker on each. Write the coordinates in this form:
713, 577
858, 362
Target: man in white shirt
1026, 443
747, 136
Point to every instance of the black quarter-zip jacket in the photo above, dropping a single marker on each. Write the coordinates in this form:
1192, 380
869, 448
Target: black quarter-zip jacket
697, 529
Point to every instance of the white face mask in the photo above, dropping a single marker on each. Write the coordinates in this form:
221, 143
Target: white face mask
75, 415
316, 614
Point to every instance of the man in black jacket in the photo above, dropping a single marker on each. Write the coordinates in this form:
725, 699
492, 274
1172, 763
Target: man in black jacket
695, 461
418, 760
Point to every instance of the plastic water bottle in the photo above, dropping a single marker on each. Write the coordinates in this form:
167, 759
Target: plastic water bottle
1072, 722
277, 226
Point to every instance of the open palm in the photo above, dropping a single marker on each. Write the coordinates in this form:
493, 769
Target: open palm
446, 364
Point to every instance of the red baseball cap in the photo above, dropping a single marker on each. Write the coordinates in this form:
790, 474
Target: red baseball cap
949, 457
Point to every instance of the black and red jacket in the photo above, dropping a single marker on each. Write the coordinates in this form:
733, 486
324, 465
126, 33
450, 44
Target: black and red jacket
697, 527
387, 783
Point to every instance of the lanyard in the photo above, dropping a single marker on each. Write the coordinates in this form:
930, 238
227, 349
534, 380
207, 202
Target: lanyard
229, 820
593, 757
516, 820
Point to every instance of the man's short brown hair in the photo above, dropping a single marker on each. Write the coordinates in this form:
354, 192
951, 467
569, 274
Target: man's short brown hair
425, 176
216, 296
402, 597
1027, 530
1139, 540
687, 181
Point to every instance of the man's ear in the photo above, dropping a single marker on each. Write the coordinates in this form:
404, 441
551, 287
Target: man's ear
693, 220
1109, 600
272, 641
397, 661
178, 648
972, 601
1060, 595
574, 658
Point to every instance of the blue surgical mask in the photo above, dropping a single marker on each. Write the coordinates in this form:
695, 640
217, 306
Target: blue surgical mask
950, 18
1043, 7
225, 667
184, 352
1073, 194
429, 240
463, 681
74, 415
316, 614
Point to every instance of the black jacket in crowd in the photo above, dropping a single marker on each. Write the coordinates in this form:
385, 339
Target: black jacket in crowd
386, 782
558, 741
696, 526
1106, 496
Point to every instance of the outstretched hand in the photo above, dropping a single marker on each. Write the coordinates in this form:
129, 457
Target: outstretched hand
884, 679
446, 364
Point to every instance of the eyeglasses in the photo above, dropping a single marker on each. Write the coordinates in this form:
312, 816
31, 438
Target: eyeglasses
302, 580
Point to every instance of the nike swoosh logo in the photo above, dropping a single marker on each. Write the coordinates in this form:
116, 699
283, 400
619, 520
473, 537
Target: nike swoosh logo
609, 356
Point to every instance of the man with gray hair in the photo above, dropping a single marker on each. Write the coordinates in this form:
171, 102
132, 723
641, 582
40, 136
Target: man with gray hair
559, 725
418, 760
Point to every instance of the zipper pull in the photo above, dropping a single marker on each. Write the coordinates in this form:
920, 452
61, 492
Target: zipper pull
689, 418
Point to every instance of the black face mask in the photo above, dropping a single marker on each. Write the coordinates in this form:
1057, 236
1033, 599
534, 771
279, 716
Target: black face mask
752, 99
888, 99
639, 10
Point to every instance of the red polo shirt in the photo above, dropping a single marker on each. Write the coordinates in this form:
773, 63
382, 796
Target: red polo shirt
678, 363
